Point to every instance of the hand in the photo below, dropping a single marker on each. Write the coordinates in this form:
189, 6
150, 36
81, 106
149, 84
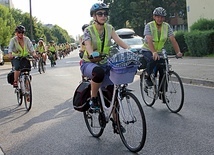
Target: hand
155, 56
179, 55
94, 54
10, 56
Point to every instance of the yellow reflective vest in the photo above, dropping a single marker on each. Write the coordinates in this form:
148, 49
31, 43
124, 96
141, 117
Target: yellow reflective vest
21, 52
96, 42
158, 41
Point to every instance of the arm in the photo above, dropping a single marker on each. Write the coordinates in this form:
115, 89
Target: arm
118, 40
175, 46
10, 48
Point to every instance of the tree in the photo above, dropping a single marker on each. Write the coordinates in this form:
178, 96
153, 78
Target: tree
7, 25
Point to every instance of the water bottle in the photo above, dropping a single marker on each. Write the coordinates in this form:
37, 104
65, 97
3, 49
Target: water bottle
164, 53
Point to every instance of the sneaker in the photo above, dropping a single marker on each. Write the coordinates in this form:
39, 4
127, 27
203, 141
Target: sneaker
164, 99
148, 81
94, 104
15, 84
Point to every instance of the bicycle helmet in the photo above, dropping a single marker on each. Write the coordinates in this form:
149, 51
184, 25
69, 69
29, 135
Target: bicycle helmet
159, 11
20, 28
84, 26
51, 41
98, 6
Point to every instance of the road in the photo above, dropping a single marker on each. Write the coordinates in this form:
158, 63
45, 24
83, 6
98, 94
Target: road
53, 127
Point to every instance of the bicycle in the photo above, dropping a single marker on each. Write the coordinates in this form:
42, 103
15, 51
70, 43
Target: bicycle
41, 65
52, 59
170, 89
128, 116
24, 86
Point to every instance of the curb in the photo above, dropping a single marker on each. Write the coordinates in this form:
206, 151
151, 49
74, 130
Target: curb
187, 80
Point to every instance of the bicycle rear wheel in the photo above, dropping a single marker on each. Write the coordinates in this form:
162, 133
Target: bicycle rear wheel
40, 65
19, 96
28, 93
94, 121
131, 116
173, 92
147, 93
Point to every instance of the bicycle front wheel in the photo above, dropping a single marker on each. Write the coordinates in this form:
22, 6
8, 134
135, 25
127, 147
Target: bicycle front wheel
174, 92
147, 93
132, 123
28, 93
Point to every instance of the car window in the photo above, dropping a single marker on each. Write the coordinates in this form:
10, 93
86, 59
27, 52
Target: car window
133, 41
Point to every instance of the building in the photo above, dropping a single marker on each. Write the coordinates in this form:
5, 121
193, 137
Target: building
8, 3
197, 9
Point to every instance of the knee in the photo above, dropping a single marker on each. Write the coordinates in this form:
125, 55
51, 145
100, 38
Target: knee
98, 74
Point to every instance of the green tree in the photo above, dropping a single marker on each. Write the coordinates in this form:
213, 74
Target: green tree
7, 25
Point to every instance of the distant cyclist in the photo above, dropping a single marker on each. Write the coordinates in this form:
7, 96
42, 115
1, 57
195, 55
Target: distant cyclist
52, 49
41, 51
82, 44
20, 46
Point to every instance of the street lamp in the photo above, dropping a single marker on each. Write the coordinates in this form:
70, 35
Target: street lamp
31, 26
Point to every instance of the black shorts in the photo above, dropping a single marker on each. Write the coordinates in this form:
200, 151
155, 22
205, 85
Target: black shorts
20, 63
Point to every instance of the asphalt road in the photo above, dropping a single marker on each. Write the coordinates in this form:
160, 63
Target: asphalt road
53, 127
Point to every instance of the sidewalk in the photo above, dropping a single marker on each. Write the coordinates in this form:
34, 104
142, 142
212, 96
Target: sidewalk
197, 71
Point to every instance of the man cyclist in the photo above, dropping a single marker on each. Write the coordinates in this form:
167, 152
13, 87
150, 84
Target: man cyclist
52, 48
20, 46
156, 33
97, 38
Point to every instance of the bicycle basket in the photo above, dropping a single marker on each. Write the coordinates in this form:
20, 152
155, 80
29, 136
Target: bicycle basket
123, 67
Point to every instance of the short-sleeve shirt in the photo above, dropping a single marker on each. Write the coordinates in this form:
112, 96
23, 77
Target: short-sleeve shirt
147, 31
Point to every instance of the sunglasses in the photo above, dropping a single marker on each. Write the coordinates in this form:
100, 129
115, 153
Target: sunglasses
20, 32
100, 14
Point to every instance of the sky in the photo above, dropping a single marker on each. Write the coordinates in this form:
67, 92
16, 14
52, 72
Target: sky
68, 14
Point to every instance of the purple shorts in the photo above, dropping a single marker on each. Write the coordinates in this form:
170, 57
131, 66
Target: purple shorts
87, 67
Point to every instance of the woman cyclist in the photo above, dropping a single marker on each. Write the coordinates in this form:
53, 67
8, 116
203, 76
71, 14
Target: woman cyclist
97, 38
41, 51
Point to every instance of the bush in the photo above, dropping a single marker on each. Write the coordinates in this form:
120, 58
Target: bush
203, 25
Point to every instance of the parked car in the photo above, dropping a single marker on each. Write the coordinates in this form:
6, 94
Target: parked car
1, 57
129, 37
6, 56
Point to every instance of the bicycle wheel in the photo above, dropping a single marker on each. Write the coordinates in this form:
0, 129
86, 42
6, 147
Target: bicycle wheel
131, 116
40, 65
43, 67
93, 123
19, 96
28, 93
147, 93
173, 92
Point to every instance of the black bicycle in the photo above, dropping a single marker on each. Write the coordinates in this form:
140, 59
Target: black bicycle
170, 89
24, 91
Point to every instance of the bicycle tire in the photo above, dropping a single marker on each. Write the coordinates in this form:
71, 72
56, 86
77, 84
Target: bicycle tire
147, 93
19, 96
92, 121
173, 92
28, 93
40, 66
134, 122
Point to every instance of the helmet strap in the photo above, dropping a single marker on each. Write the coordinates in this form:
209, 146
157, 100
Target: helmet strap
99, 22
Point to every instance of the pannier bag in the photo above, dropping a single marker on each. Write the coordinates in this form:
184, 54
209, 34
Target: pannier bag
82, 96
10, 77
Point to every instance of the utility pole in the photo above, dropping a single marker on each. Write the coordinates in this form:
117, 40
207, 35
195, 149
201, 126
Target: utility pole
31, 26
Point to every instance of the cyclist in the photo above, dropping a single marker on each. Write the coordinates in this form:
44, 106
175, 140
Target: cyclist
41, 51
51, 48
82, 44
97, 38
20, 46
156, 33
